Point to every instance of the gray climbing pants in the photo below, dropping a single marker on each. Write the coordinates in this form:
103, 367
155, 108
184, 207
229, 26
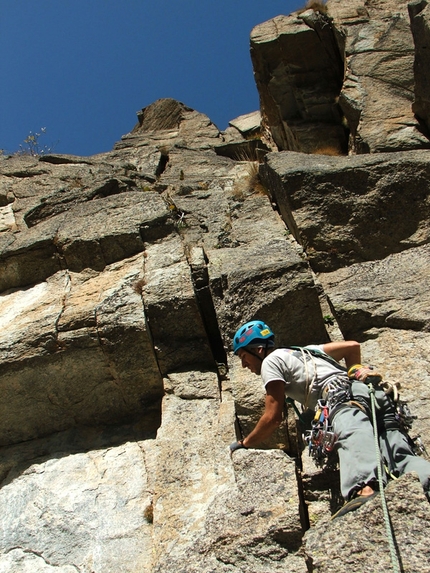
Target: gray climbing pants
356, 443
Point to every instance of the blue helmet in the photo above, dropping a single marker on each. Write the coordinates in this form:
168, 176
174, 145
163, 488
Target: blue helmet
253, 333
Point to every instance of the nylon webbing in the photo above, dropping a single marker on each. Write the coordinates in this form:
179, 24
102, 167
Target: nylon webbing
291, 402
390, 536
317, 354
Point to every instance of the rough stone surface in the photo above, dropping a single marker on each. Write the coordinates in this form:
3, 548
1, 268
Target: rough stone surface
80, 512
298, 71
247, 124
81, 233
340, 77
169, 300
124, 276
76, 350
346, 542
378, 88
394, 293
419, 13
345, 210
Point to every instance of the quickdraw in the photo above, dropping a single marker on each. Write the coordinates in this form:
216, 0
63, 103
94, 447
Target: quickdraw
403, 415
321, 438
405, 420
418, 447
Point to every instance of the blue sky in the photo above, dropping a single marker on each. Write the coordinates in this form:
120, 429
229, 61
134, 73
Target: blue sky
83, 68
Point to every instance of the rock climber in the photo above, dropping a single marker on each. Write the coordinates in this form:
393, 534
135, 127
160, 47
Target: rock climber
313, 373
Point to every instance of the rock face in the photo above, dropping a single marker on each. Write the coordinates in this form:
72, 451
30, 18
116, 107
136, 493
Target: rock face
345, 71
352, 209
298, 70
123, 277
328, 549
419, 13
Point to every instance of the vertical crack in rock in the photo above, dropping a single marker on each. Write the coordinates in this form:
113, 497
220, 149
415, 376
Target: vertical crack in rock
272, 181
197, 260
116, 378
139, 288
67, 289
323, 27
58, 251
303, 507
162, 164
148, 510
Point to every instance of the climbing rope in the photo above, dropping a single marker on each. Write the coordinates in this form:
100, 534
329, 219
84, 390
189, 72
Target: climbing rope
390, 535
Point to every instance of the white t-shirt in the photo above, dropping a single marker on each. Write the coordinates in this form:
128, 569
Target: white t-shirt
299, 376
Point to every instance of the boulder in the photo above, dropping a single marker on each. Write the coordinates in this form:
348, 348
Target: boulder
76, 351
248, 124
345, 210
378, 88
298, 71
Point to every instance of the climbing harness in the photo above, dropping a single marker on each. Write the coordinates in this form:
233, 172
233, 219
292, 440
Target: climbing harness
390, 535
321, 438
307, 355
300, 351
336, 393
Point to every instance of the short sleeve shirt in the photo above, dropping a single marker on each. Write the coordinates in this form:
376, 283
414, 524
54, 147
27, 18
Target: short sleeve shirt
299, 373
